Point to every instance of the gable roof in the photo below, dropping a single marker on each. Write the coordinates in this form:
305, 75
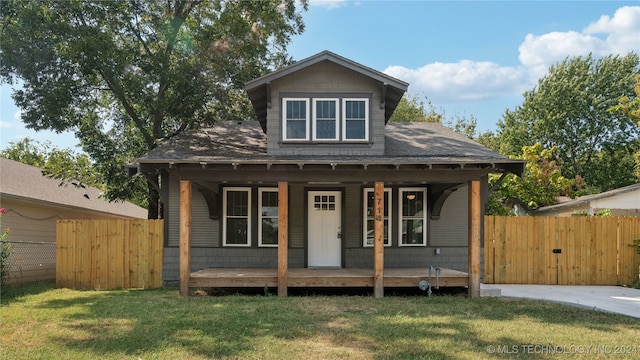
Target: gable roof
588, 198
24, 182
425, 144
259, 89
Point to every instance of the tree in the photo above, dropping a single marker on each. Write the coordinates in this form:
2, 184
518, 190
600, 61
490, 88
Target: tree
631, 107
126, 75
62, 164
412, 109
569, 109
539, 186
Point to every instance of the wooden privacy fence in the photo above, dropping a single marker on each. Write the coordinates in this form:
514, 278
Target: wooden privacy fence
561, 250
109, 254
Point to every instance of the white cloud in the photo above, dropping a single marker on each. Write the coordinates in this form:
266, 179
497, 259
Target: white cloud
472, 80
461, 81
617, 35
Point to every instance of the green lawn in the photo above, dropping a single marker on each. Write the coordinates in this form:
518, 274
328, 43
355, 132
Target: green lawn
40, 322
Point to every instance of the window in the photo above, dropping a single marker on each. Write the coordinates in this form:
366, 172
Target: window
369, 208
413, 212
325, 119
268, 217
296, 119
355, 119
236, 228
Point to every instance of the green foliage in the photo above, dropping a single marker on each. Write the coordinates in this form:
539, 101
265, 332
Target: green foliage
604, 213
570, 109
127, 75
5, 251
61, 164
412, 109
541, 183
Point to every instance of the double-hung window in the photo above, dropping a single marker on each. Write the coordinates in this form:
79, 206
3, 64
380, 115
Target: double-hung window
268, 217
355, 119
325, 119
236, 228
295, 121
369, 210
412, 214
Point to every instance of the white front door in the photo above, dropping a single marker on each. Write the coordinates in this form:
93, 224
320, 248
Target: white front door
325, 229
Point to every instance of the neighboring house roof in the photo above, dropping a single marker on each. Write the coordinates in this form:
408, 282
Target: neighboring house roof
588, 198
232, 142
259, 89
24, 182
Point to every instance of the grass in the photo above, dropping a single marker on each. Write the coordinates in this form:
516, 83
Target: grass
41, 322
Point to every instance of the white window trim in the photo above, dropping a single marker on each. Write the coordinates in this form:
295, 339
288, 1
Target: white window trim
366, 119
337, 119
284, 118
260, 191
224, 216
424, 216
368, 191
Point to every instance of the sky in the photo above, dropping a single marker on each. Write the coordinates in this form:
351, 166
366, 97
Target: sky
468, 58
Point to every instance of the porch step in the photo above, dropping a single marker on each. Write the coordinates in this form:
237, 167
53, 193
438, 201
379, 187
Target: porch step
489, 291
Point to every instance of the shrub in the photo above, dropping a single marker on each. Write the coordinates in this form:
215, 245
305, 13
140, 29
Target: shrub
5, 249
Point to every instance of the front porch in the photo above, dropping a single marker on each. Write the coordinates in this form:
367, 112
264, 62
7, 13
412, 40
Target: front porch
349, 277
284, 277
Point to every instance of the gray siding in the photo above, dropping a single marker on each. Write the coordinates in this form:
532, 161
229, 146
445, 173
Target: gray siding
453, 226
323, 79
297, 225
204, 232
456, 258
352, 232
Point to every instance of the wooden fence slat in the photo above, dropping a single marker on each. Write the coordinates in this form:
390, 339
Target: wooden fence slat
109, 253
594, 250
489, 251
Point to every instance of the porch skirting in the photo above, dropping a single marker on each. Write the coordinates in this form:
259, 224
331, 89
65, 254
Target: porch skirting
346, 277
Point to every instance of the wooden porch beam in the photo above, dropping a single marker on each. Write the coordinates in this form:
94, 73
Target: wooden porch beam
283, 237
185, 236
475, 226
378, 240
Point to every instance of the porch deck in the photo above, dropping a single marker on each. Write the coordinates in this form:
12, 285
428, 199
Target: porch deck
349, 277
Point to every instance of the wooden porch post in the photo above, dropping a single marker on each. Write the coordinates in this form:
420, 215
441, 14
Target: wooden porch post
185, 236
283, 237
378, 240
475, 225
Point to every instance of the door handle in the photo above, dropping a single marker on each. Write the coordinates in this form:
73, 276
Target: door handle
339, 235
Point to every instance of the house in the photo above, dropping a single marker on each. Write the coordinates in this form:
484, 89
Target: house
322, 190
624, 201
33, 203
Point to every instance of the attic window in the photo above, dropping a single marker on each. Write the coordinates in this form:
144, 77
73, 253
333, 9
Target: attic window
356, 119
325, 119
296, 119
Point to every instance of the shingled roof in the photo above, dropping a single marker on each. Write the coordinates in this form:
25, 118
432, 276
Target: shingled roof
230, 142
24, 182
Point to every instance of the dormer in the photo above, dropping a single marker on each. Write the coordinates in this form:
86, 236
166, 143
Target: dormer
325, 105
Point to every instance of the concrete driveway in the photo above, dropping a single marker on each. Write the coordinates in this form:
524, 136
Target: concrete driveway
615, 299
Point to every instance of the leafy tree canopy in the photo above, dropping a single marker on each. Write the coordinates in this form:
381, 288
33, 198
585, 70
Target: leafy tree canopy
541, 183
62, 164
126, 75
570, 110
413, 109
